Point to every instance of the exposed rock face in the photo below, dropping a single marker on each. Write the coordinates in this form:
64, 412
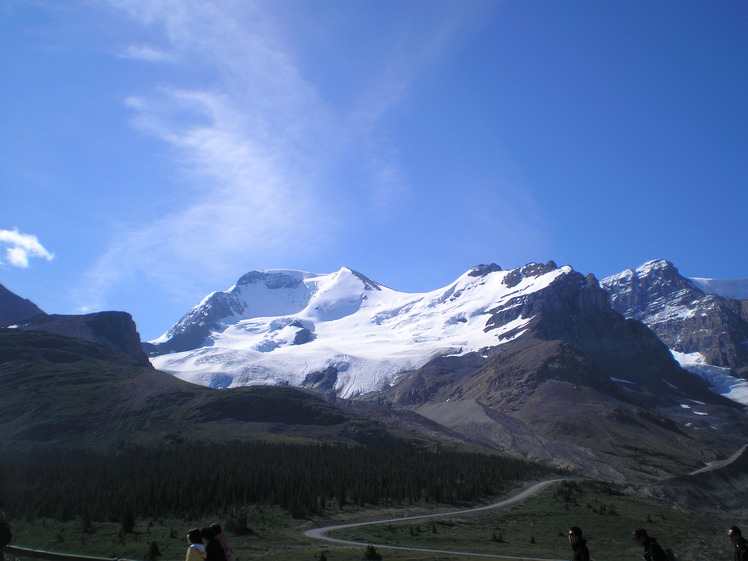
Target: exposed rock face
575, 310
530, 270
14, 309
684, 318
193, 329
114, 330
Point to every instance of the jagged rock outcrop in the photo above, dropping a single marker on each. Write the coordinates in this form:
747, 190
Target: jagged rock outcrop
684, 318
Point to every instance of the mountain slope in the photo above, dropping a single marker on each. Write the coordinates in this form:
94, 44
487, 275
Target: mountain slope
13, 308
719, 488
533, 361
582, 385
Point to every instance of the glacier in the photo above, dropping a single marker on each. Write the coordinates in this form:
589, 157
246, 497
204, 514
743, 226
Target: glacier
283, 326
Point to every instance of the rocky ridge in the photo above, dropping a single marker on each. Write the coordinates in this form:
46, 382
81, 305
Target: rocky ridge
683, 316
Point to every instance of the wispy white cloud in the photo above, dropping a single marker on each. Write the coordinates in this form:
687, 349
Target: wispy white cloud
257, 144
146, 53
18, 248
248, 134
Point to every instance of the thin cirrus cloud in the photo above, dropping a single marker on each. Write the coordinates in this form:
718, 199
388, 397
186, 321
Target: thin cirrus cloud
18, 248
259, 148
146, 53
240, 140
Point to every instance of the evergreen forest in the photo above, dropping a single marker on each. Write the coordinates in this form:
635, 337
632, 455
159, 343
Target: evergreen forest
192, 481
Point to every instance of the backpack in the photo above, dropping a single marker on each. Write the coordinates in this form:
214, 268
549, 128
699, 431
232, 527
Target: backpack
5, 535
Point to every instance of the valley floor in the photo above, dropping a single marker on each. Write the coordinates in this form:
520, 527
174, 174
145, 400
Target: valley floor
533, 528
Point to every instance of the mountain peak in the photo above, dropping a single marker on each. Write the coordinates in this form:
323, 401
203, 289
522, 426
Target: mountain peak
343, 328
656, 266
515, 276
346, 272
483, 270
682, 315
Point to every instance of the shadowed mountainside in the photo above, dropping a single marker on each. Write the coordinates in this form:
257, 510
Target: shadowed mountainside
65, 391
13, 308
114, 330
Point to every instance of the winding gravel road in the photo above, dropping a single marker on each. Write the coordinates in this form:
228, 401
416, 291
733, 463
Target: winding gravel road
320, 533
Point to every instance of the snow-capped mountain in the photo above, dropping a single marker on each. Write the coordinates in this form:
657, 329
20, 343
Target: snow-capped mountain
707, 333
295, 327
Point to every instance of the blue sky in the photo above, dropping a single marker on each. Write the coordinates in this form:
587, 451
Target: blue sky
153, 151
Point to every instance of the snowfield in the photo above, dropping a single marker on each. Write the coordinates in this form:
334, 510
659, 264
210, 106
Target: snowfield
288, 325
719, 379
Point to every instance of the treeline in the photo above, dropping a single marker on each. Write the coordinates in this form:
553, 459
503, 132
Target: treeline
193, 481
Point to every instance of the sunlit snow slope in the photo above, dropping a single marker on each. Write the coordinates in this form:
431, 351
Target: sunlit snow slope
284, 326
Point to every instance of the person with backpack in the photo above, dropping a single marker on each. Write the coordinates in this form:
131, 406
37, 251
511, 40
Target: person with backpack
739, 542
652, 550
5, 534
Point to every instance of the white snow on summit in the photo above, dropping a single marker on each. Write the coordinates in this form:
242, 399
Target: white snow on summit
294, 324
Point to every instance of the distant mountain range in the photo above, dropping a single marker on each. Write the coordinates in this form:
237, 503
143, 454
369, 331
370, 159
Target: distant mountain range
540, 361
345, 334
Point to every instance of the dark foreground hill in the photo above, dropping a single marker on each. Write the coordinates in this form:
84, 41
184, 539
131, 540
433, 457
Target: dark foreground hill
64, 391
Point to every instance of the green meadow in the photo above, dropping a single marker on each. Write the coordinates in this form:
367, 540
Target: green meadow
534, 528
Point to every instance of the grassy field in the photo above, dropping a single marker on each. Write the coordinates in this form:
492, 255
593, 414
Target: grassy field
536, 528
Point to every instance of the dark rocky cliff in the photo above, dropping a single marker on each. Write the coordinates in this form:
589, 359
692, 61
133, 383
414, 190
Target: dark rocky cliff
114, 330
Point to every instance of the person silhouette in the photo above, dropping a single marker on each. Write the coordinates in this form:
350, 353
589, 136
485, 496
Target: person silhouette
739, 542
579, 551
652, 550
195, 549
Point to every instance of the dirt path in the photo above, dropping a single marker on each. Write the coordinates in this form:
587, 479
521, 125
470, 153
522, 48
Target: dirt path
721, 463
319, 533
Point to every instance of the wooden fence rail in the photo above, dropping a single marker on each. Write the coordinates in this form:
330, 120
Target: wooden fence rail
52, 556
